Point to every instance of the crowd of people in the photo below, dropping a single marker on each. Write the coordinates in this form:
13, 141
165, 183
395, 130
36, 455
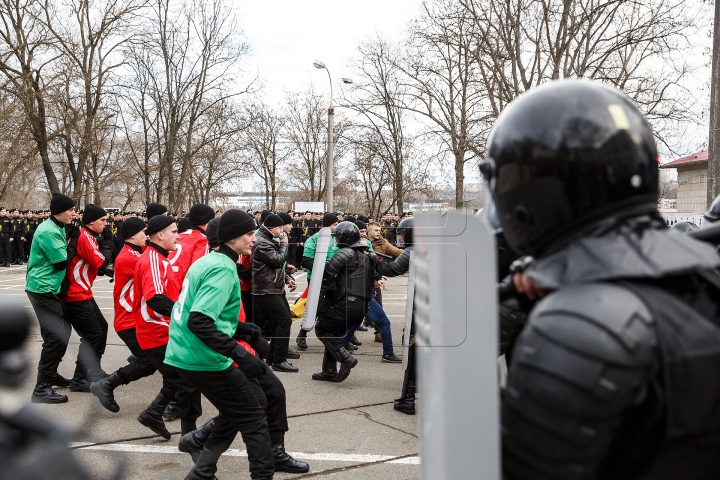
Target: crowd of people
202, 300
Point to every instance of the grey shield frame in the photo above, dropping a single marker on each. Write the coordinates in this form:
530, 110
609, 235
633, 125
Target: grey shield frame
456, 335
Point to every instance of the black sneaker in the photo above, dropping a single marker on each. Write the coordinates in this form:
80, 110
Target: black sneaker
284, 367
44, 393
349, 346
391, 359
79, 385
354, 340
171, 412
301, 343
368, 323
293, 355
362, 328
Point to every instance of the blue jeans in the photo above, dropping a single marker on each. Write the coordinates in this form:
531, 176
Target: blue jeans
375, 313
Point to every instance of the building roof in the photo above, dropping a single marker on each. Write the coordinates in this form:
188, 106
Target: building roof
699, 157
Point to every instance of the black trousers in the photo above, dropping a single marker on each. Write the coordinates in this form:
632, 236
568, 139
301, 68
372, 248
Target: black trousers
292, 253
176, 387
272, 314
270, 393
247, 301
54, 329
5, 247
18, 248
239, 410
141, 367
333, 324
28, 244
90, 324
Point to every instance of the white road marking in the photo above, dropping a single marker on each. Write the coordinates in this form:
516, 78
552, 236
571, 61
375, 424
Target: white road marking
233, 452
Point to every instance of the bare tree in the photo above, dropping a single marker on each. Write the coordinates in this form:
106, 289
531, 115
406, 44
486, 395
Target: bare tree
265, 148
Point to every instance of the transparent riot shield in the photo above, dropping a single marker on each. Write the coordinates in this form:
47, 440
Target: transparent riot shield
456, 336
319, 261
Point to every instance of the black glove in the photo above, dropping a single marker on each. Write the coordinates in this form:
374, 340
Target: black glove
251, 365
247, 331
261, 346
73, 235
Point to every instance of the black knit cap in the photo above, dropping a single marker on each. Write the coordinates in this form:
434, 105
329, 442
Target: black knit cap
200, 214
211, 232
272, 221
234, 223
287, 219
159, 222
361, 225
92, 212
60, 203
329, 219
154, 209
264, 215
132, 226
183, 224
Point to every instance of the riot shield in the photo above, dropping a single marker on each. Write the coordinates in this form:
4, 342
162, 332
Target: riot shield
456, 336
319, 261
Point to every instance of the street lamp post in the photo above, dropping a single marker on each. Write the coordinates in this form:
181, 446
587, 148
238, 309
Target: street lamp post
331, 126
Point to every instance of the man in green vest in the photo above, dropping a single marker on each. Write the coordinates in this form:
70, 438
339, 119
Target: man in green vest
203, 346
48, 260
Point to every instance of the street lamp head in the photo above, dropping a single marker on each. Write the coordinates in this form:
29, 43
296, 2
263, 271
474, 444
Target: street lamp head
318, 64
346, 81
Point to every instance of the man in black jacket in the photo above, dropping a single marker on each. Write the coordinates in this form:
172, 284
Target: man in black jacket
352, 271
271, 309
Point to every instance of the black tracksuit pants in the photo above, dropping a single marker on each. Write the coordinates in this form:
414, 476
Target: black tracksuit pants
272, 314
270, 393
90, 324
239, 410
176, 387
141, 367
54, 329
247, 302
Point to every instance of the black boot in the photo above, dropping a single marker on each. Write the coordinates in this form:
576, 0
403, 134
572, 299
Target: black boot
406, 403
55, 380
347, 362
171, 412
329, 368
151, 417
300, 340
286, 463
44, 393
194, 441
205, 466
103, 390
79, 382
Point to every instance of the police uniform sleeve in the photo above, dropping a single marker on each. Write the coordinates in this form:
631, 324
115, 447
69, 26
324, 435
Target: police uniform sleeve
586, 357
397, 267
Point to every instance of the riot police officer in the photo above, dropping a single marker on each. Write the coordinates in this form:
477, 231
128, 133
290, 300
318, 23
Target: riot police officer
615, 374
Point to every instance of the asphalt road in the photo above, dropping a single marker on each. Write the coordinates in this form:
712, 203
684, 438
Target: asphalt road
342, 430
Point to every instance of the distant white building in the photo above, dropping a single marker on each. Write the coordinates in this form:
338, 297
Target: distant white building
244, 202
692, 172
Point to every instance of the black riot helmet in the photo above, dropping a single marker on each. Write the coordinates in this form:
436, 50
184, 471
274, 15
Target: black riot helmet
713, 213
405, 233
567, 154
346, 234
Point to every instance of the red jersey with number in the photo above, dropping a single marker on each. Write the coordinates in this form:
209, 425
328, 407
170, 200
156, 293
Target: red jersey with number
153, 276
191, 245
83, 268
124, 289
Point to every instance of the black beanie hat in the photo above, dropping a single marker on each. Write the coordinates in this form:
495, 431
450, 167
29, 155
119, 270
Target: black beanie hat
234, 223
60, 203
92, 212
154, 209
287, 219
329, 219
131, 226
200, 214
264, 215
159, 222
272, 221
361, 225
211, 232
183, 224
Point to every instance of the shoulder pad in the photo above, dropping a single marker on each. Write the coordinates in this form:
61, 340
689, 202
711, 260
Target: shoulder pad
603, 321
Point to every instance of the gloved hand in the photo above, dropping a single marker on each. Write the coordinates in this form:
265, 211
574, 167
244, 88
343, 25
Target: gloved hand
251, 365
247, 331
261, 346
